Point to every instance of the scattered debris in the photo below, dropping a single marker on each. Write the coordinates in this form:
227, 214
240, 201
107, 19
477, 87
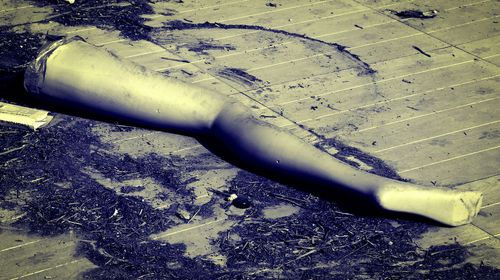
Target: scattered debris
238, 75
345, 152
181, 25
415, 14
421, 51
186, 72
175, 59
267, 116
202, 47
125, 16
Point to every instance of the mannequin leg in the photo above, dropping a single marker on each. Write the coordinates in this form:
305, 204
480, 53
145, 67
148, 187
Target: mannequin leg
77, 75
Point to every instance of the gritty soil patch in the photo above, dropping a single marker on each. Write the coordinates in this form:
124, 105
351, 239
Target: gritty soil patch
322, 241
45, 180
58, 197
17, 50
108, 14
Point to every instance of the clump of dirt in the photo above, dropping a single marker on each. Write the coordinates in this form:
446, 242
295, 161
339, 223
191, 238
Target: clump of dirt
414, 14
45, 179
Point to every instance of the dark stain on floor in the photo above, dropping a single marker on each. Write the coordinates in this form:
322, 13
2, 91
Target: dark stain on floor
181, 25
239, 75
378, 166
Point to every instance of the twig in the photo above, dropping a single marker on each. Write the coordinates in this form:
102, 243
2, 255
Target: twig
57, 219
352, 252
421, 51
369, 242
145, 275
244, 246
286, 199
75, 223
441, 251
41, 216
174, 59
196, 213
302, 256
36, 180
343, 213
262, 270
13, 150
317, 249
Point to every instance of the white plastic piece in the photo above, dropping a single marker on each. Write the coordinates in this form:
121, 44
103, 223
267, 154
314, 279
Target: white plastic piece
33, 118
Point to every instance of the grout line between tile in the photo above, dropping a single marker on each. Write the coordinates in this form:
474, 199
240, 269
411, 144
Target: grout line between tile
449, 159
46, 269
20, 245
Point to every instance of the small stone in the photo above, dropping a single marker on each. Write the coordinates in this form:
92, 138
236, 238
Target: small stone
232, 197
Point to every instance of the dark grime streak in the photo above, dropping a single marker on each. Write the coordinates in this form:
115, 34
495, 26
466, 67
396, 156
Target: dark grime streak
180, 25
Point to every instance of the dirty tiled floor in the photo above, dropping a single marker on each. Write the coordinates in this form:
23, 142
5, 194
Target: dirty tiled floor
417, 93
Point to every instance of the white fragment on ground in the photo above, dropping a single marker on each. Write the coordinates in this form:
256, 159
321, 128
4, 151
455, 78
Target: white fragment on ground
361, 164
33, 118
